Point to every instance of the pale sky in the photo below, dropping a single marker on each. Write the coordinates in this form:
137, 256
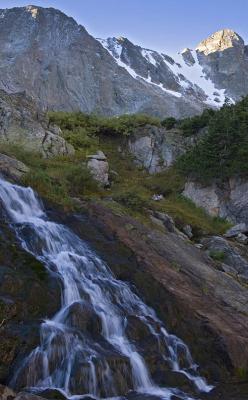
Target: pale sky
164, 25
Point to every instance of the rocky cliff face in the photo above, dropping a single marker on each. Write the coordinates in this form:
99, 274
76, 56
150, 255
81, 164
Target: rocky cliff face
227, 201
58, 63
21, 123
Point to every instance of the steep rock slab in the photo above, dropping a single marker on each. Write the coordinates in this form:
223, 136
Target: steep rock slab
204, 306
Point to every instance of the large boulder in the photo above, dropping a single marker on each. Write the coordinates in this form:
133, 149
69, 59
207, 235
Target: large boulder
99, 168
11, 167
22, 124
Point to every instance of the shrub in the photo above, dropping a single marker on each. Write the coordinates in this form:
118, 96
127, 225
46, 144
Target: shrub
217, 255
191, 126
169, 123
99, 125
223, 152
80, 181
132, 200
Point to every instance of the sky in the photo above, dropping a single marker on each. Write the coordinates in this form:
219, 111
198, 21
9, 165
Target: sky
163, 25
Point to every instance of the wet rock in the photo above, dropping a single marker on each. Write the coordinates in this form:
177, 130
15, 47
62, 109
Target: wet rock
82, 316
11, 167
6, 393
187, 290
99, 167
48, 394
27, 294
30, 396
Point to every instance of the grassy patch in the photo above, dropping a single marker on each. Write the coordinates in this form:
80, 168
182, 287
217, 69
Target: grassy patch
217, 255
57, 180
61, 179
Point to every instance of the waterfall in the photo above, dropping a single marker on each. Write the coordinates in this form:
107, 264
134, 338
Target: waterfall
70, 358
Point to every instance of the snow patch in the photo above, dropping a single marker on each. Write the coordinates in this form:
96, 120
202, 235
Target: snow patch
114, 48
195, 74
148, 55
188, 76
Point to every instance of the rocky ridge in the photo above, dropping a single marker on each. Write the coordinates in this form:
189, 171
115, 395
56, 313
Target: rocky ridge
114, 76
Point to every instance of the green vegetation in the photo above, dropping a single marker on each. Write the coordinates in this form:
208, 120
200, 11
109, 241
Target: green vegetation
169, 123
217, 255
223, 152
191, 126
60, 180
57, 180
94, 125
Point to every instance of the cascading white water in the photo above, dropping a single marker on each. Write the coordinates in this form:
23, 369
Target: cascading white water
88, 284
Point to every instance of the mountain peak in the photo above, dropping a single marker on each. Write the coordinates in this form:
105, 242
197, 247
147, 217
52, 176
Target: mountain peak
219, 41
33, 10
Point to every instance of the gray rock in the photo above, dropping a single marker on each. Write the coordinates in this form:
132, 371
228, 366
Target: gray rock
156, 148
22, 124
168, 221
205, 197
234, 261
59, 64
228, 201
99, 168
241, 238
11, 167
187, 229
100, 156
236, 230
187, 56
